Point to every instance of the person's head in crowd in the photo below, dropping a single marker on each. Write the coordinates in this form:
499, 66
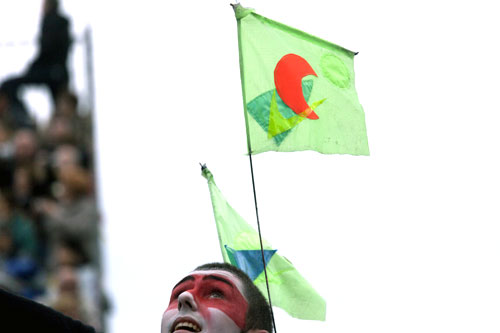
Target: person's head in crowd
69, 252
65, 155
68, 300
66, 104
75, 180
25, 145
60, 131
67, 279
216, 298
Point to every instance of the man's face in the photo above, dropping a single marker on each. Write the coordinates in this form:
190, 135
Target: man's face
208, 302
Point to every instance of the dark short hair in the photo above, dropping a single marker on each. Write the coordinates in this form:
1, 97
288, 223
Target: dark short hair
258, 314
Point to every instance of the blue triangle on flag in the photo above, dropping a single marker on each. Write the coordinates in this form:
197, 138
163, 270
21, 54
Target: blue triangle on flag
249, 261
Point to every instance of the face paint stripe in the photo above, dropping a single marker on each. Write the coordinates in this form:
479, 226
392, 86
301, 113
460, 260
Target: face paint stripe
213, 291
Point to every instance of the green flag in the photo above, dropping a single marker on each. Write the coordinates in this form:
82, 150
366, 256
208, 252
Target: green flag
298, 90
240, 246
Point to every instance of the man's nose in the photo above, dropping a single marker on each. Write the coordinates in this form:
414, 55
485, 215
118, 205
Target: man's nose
186, 302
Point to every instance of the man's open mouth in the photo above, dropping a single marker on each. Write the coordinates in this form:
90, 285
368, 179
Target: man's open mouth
186, 325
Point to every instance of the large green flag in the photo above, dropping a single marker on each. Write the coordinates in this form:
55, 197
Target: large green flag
240, 246
298, 90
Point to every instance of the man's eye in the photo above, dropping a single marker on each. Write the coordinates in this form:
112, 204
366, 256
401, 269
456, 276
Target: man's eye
216, 294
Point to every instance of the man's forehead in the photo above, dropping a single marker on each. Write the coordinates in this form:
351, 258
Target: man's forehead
219, 273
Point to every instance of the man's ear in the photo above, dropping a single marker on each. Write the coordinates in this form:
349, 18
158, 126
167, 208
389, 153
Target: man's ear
257, 331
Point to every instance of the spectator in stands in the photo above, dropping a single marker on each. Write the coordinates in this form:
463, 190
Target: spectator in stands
22, 187
28, 168
64, 131
25, 147
7, 281
65, 155
65, 295
85, 298
60, 130
48, 68
21, 228
74, 215
67, 104
49, 213
66, 107
18, 247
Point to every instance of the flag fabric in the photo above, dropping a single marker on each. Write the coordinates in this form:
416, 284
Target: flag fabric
240, 246
298, 90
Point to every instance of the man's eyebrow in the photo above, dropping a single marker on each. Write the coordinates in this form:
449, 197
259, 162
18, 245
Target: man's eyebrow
218, 278
187, 278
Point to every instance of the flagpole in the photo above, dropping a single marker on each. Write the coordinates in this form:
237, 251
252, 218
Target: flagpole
260, 238
249, 147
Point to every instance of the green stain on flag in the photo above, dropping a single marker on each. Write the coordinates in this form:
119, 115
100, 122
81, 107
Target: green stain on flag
333, 69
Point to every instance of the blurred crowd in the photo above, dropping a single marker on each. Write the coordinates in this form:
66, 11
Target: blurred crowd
49, 221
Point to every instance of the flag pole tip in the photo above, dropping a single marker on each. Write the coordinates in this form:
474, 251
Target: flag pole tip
240, 11
206, 173
235, 5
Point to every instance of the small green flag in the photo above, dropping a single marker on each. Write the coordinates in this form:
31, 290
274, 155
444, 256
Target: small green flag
240, 246
298, 90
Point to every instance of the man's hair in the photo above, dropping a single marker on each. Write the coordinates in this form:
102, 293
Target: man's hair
258, 314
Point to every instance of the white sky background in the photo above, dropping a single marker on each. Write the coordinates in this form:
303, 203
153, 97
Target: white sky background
406, 240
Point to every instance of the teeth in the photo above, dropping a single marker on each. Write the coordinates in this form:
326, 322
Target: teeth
194, 327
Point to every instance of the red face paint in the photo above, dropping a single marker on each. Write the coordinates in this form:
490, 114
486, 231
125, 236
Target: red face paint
213, 290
